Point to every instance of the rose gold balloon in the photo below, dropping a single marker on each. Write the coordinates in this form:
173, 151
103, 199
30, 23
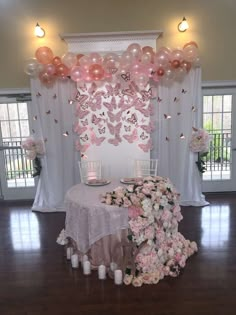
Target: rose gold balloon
160, 72
44, 55
56, 61
62, 71
78, 58
47, 79
187, 65
149, 51
192, 43
175, 64
96, 72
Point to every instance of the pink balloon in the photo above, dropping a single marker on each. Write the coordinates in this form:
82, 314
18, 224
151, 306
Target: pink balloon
126, 59
69, 59
50, 69
56, 61
147, 50
44, 55
190, 53
135, 50
62, 71
96, 72
162, 58
85, 62
141, 80
177, 55
47, 79
111, 63
95, 58
77, 74
150, 68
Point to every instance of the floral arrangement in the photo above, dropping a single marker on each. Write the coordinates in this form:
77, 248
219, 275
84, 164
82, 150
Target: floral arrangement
154, 213
199, 143
34, 151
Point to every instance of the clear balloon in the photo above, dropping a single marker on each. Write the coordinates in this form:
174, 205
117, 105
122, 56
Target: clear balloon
135, 50
31, 67
69, 59
177, 55
96, 72
44, 55
190, 53
192, 43
141, 80
126, 59
187, 65
47, 79
85, 62
111, 63
168, 78
146, 58
78, 56
162, 58
95, 58
180, 74
147, 50
77, 74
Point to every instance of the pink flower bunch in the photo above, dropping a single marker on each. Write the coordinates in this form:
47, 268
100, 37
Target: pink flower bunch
33, 148
200, 141
154, 213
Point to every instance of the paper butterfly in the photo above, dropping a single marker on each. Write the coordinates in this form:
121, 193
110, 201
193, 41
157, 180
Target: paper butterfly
83, 88
127, 128
114, 130
96, 120
48, 112
182, 136
176, 99
178, 113
95, 103
66, 134
33, 131
125, 76
38, 94
84, 122
146, 147
70, 102
184, 91
143, 136
194, 109
132, 137
115, 141
148, 128
128, 92
194, 129
115, 117
35, 117
112, 105
56, 121
81, 98
54, 96
92, 88
167, 139
112, 91
84, 138
96, 140
82, 147
79, 129
132, 119
159, 99
167, 116
81, 113
147, 112
146, 95
102, 130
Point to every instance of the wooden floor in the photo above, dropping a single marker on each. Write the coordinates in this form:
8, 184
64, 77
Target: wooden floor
36, 279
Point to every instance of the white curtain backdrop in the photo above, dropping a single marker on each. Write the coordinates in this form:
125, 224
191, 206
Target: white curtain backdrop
178, 109
53, 117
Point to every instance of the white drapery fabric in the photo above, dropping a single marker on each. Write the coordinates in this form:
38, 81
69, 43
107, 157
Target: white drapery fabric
52, 117
178, 109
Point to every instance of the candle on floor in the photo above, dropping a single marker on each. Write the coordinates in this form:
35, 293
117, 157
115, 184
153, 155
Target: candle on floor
84, 258
69, 252
86, 267
101, 272
75, 261
113, 266
118, 277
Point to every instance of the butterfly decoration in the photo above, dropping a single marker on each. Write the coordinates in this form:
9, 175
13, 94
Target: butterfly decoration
176, 99
102, 130
95, 103
125, 76
115, 117
83, 88
143, 136
146, 95
111, 105
33, 131
38, 94
194, 109
81, 113
159, 99
167, 139
84, 106
194, 129
54, 96
114, 130
148, 128
96, 140
115, 141
70, 101
146, 111
81, 98
112, 91
178, 113
147, 146
127, 128
167, 116
48, 112
92, 88
35, 117
129, 92
113, 70
95, 120
184, 91
133, 119
182, 136
45, 140
79, 129
132, 137
84, 138
84, 122
56, 121
66, 134
81, 147
83, 156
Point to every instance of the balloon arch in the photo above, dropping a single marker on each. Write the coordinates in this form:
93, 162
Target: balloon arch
137, 64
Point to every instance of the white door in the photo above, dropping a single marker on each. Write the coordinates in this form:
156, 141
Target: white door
16, 181
219, 118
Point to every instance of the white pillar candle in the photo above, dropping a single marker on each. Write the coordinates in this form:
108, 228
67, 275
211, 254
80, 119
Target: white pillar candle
118, 277
84, 258
113, 266
101, 272
75, 261
69, 252
87, 267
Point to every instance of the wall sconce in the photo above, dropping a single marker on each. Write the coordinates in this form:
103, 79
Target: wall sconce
183, 25
39, 31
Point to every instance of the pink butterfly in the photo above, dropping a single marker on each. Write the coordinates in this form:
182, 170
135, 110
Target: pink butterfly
132, 137
146, 147
125, 76
115, 141
83, 88
124, 106
102, 130
143, 136
84, 122
128, 92
114, 130
133, 119
84, 138
148, 128
146, 95
81, 98
96, 120
112, 105
79, 129
112, 91
95, 103
115, 117
82, 147
81, 113
92, 88
159, 99
96, 140
127, 128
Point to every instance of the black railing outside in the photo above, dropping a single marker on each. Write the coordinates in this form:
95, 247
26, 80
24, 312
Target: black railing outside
219, 156
16, 163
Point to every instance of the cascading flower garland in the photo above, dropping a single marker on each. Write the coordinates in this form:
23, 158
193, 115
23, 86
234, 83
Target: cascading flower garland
34, 151
199, 143
154, 213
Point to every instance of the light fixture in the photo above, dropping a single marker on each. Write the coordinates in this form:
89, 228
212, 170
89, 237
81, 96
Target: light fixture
39, 31
183, 25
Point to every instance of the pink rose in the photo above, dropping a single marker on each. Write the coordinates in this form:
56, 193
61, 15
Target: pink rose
134, 212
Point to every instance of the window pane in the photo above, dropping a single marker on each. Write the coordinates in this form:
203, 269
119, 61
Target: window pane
217, 103
227, 121
3, 112
217, 123
207, 122
5, 129
15, 130
23, 113
12, 107
207, 104
24, 125
227, 103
